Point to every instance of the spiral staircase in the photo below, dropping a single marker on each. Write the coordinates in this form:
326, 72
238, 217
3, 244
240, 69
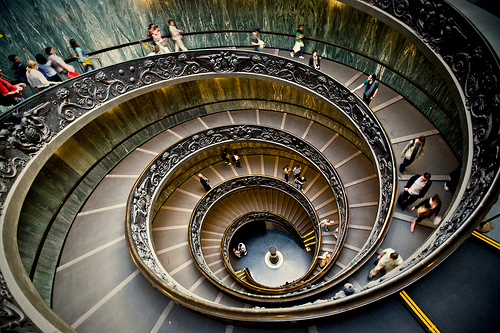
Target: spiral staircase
127, 145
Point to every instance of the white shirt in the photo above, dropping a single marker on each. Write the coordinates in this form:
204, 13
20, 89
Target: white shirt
417, 186
176, 35
36, 79
56, 61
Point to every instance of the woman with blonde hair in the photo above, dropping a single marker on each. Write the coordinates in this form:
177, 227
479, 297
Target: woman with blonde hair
36, 78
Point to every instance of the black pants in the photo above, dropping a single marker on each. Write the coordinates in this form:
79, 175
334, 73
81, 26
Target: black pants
406, 199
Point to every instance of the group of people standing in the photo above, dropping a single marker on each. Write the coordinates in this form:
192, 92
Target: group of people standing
371, 84
40, 74
160, 43
297, 178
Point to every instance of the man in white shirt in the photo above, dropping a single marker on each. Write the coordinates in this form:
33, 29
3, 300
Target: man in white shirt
176, 36
57, 62
387, 260
416, 188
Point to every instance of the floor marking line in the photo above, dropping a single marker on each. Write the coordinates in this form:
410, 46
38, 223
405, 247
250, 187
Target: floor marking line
413, 136
352, 79
418, 312
307, 129
88, 254
341, 163
276, 163
363, 204
178, 209
122, 176
174, 134
387, 103
147, 151
106, 298
172, 227
203, 123
173, 247
311, 183
324, 203
283, 121
486, 239
181, 267
162, 317
329, 142
197, 283
247, 165
230, 117
361, 180
99, 210
194, 195
320, 192
217, 173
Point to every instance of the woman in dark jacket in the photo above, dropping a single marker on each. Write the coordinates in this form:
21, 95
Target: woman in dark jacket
426, 208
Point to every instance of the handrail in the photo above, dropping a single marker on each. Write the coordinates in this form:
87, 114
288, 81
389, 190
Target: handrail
239, 222
219, 192
317, 40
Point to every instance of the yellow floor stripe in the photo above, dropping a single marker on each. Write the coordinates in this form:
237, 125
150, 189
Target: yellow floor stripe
486, 239
420, 314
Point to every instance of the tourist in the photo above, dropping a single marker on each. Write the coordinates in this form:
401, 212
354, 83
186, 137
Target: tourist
205, 182
324, 259
286, 171
386, 261
296, 171
414, 149
59, 64
82, 56
176, 36
326, 223
315, 60
19, 69
36, 78
45, 66
257, 43
11, 94
242, 248
371, 88
299, 44
300, 181
236, 159
416, 187
226, 157
427, 208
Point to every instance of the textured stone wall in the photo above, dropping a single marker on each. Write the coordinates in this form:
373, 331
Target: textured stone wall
28, 28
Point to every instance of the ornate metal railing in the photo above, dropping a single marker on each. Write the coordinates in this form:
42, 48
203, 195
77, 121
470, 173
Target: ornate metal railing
469, 58
251, 217
32, 130
140, 205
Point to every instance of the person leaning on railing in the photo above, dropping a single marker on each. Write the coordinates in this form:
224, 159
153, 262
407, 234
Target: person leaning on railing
10, 94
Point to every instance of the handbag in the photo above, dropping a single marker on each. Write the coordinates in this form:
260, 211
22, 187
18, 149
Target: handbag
71, 75
423, 211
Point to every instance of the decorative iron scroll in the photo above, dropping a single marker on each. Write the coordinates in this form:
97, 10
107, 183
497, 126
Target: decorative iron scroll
148, 186
477, 70
12, 318
38, 120
225, 189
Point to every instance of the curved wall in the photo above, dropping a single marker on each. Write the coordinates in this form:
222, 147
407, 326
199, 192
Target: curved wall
105, 24
132, 123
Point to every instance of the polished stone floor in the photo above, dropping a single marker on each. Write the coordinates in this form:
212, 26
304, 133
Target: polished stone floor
296, 260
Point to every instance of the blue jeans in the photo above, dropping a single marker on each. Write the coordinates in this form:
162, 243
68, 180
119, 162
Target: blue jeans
88, 68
